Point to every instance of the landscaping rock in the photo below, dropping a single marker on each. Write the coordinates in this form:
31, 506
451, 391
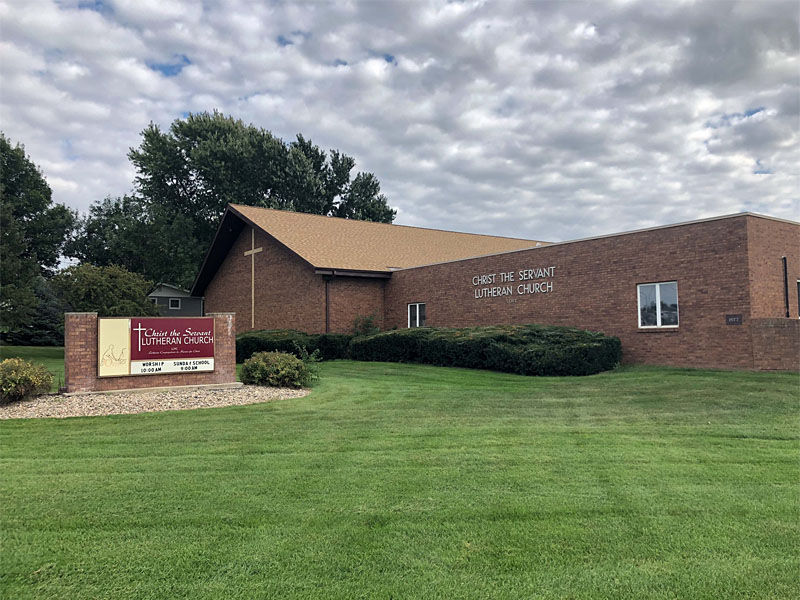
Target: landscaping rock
91, 405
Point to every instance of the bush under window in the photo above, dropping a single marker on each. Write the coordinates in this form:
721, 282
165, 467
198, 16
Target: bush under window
523, 349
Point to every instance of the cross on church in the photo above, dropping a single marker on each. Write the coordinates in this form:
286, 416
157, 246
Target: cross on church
252, 254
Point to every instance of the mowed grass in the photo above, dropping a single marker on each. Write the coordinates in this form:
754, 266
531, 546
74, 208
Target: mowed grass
404, 481
51, 357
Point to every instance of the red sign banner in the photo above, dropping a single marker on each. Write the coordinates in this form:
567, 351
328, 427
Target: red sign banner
171, 345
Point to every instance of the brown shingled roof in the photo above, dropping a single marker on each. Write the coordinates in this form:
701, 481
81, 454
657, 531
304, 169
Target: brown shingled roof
334, 243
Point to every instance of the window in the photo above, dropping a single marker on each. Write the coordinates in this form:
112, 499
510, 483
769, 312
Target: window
658, 304
175, 303
154, 300
416, 315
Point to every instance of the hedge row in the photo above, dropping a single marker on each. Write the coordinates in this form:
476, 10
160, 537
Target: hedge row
330, 345
523, 349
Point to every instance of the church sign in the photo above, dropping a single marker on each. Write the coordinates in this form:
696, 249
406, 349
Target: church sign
537, 280
154, 345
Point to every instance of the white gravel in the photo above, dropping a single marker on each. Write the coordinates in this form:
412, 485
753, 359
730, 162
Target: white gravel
120, 403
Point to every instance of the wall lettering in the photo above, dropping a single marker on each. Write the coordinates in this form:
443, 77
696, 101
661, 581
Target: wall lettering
538, 281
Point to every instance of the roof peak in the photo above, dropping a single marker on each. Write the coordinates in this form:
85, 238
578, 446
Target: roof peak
278, 210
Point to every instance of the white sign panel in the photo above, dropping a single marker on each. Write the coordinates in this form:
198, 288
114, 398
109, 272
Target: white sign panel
184, 365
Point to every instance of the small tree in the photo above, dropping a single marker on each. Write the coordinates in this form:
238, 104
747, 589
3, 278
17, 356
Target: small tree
109, 291
365, 325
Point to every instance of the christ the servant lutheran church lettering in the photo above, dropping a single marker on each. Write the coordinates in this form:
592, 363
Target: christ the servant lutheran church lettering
669, 293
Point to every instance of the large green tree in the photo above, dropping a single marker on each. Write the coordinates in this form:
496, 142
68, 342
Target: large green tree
188, 174
109, 291
33, 231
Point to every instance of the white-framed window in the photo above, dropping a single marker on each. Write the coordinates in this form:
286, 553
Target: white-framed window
175, 303
416, 314
658, 304
154, 300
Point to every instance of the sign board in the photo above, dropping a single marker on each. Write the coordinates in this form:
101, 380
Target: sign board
154, 345
733, 319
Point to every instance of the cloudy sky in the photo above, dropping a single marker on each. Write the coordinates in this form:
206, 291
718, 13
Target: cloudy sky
548, 120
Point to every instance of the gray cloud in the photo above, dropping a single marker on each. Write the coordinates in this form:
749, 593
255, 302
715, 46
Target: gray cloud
546, 120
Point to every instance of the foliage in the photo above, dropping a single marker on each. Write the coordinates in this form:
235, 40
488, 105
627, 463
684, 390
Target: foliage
187, 175
365, 325
32, 234
329, 345
20, 379
109, 291
116, 232
51, 357
278, 369
46, 326
523, 349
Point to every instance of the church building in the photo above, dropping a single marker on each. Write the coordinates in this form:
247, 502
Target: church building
722, 292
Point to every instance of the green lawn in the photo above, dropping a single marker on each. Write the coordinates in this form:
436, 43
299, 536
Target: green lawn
50, 357
403, 481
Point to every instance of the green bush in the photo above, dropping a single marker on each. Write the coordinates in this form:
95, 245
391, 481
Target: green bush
523, 349
278, 369
365, 325
330, 345
20, 379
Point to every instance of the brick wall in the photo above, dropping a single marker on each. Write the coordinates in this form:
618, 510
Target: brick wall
288, 294
776, 344
595, 288
80, 358
351, 297
768, 241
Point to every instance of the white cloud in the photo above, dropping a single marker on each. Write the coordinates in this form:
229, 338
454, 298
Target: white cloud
543, 120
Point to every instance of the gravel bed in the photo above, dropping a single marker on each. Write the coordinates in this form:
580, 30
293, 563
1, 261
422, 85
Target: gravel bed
121, 403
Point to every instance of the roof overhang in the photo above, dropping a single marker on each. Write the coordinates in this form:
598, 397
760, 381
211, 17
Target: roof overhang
352, 273
228, 231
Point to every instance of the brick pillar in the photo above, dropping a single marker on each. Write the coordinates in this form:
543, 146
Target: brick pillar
80, 351
224, 347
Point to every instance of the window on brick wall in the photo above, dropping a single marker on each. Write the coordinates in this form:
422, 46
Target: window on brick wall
416, 315
658, 304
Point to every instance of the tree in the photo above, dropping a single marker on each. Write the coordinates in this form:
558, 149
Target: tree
185, 178
109, 291
32, 234
46, 325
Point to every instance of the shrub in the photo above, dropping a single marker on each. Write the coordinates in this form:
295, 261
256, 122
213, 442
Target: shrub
278, 369
330, 345
523, 349
365, 325
20, 379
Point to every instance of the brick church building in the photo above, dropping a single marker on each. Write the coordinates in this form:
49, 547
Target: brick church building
719, 292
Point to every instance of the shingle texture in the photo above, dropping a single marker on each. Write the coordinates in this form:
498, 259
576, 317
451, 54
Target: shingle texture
333, 243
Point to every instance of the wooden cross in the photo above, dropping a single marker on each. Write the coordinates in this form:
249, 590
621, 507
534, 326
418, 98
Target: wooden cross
252, 254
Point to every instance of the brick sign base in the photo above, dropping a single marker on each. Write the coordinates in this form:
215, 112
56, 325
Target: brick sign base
80, 359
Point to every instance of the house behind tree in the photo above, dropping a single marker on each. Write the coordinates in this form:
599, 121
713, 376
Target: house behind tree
173, 301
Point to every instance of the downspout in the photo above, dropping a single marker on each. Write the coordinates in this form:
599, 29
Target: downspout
327, 279
785, 287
